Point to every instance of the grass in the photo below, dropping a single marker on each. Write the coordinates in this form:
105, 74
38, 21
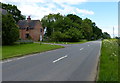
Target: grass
109, 61
83, 41
23, 49
0, 52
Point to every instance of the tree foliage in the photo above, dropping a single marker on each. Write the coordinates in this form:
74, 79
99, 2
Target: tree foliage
75, 18
14, 11
74, 34
87, 28
10, 31
97, 32
106, 35
58, 36
49, 22
70, 28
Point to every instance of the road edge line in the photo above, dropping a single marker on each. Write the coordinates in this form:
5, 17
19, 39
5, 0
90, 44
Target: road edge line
98, 64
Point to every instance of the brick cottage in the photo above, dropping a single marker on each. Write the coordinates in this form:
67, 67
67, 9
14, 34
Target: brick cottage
30, 29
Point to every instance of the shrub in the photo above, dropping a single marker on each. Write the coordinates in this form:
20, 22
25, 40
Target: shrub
58, 36
10, 31
21, 41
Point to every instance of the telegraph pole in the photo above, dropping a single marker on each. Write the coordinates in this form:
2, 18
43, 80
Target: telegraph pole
113, 32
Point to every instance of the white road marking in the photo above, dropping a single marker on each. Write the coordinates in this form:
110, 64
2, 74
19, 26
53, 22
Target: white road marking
60, 59
81, 48
88, 45
22, 57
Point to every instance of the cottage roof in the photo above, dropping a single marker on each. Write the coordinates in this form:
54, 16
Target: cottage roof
23, 24
4, 12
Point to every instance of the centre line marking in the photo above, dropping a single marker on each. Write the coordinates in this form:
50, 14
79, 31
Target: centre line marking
81, 48
60, 59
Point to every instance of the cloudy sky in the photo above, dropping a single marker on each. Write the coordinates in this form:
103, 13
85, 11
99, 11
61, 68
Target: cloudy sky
102, 12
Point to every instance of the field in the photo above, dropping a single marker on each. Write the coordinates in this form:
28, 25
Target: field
23, 49
108, 68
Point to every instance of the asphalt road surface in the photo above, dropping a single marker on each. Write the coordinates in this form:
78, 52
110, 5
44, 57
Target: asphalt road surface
76, 62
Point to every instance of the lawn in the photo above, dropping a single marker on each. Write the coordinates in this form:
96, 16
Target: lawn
108, 68
23, 49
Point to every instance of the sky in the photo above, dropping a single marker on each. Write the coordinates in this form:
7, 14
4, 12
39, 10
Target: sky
103, 12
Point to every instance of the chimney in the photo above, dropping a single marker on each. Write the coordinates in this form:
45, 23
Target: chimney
28, 19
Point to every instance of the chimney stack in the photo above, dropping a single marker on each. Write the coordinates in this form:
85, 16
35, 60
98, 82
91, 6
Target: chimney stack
28, 19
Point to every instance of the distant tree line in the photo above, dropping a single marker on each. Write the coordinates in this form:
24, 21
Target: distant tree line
70, 28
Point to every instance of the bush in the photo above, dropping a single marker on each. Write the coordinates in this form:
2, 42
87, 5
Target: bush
58, 36
21, 41
71, 35
10, 31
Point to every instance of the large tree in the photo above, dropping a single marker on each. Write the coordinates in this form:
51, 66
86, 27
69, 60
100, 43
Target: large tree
63, 24
76, 21
10, 31
48, 22
14, 11
75, 18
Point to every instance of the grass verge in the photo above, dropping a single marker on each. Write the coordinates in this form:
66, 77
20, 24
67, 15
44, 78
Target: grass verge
83, 41
23, 49
108, 61
0, 52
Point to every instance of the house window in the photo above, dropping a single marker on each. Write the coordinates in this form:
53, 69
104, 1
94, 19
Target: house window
40, 30
27, 35
27, 29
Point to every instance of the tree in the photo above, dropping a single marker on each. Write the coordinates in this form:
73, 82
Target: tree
49, 22
63, 24
117, 37
10, 31
12, 9
75, 18
76, 21
106, 35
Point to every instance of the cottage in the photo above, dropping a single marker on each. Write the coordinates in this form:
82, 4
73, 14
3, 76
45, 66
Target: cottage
30, 29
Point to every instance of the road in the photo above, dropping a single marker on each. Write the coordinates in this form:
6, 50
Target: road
77, 62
